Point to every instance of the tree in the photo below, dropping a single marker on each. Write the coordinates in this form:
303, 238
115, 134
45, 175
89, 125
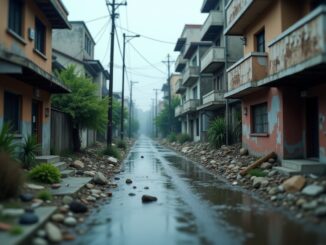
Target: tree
86, 109
162, 120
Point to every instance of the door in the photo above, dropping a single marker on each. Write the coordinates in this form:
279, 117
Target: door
312, 128
37, 120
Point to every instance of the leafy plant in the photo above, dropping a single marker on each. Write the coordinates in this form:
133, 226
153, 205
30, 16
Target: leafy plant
122, 144
45, 173
172, 137
183, 138
16, 230
216, 132
257, 172
112, 151
11, 177
7, 144
45, 195
30, 148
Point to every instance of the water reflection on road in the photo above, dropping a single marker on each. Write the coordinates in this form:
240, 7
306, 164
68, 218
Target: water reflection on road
193, 207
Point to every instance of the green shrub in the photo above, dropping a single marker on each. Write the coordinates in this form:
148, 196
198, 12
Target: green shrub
11, 177
16, 230
257, 172
122, 144
112, 151
7, 144
45, 195
172, 137
216, 132
45, 173
30, 148
182, 138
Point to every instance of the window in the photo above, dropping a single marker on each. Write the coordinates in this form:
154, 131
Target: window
88, 45
259, 119
39, 36
197, 126
16, 16
260, 41
12, 105
194, 92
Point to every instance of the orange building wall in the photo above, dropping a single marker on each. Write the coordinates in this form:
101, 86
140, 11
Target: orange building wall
12, 44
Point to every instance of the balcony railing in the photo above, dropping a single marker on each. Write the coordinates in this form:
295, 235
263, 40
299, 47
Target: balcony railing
179, 88
178, 111
214, 96
241, 13
249, 69
191, 75
180, 63
212, 26
190, 105
303, 43
212, 60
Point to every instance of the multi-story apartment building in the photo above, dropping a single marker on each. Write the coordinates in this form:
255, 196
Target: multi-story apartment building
204, 56
26, 66
174, 78
280, 79
76, 47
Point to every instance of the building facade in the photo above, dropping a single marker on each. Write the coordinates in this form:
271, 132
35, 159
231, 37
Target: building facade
280, 79
26, 66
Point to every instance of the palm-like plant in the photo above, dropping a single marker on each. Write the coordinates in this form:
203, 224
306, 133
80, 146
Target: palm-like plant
7, 144
30, 149
216, 132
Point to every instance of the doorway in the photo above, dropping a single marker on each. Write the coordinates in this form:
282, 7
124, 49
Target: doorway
312, 128
37, 120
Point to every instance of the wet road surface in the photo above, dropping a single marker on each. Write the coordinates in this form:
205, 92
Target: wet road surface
193, 207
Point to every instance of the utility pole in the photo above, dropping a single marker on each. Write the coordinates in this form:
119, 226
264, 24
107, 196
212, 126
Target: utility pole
156, 129
152, 117
114, 6
123, 81
130, 107
168, 62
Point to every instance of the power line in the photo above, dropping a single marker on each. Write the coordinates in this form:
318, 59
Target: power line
146, 60
98, 18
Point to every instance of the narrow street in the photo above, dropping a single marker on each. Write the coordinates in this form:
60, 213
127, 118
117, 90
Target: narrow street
193, 207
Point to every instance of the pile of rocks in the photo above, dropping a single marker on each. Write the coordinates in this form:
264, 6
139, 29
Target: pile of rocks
303, 195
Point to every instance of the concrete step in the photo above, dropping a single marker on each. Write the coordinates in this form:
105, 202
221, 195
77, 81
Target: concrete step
60, 165
305, 166
48, 159
286, 171
70, 186
67, 173
44, 214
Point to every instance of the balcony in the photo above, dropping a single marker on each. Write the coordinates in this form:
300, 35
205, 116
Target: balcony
190, 76
180, 64
179, 88
243, 75
213, 100
190, 105
212, 26
212, 60
178, 111
299, 49
241, 13
208, 5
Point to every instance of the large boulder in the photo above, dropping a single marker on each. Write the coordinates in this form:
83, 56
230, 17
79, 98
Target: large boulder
78, 164
100, 179
294, 184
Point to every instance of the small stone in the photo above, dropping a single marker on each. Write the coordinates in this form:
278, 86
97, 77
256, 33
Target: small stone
64, 209
300, 202
39, 241
116, 178
28, 218
53, 232
100, 179
142, 157
90, 186
321, 211
243, 152
70, 221
148, 198
273, 198
90, 173
41, 233
134, 187
26, 197
272, 173
294, 184
113, 160
78, 207
91, 199
67, 199
313, 190
132, 194
146, 187
128, 181
271, 160
78, 164
273, 191
310, 205
56, 186
58, 218
68, 237
5, 227
109, 194
35, 187
266, 165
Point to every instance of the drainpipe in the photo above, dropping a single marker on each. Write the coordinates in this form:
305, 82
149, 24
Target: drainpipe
227, 117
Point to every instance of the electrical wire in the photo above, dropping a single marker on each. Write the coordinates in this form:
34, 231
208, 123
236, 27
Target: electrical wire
98, 18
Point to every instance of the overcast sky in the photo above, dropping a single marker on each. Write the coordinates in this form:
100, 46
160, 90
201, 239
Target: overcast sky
158, 19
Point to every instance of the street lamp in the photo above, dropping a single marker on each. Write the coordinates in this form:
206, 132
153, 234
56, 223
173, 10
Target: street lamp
125, 40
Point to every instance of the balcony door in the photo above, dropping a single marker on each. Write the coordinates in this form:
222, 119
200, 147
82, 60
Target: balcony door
37, 120
312, 128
